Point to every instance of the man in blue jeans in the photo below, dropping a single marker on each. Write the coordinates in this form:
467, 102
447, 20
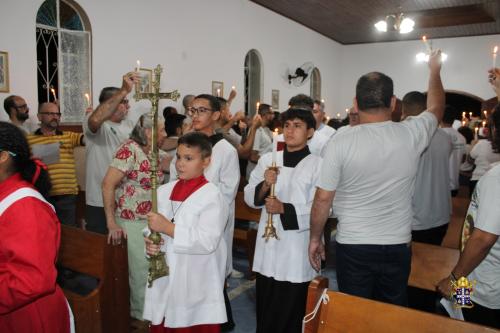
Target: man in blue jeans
369, 169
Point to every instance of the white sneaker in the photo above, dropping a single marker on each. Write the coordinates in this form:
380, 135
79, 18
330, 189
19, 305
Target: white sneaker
237, 274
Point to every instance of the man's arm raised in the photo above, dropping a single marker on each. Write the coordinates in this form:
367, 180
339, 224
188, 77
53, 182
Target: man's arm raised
105, 110
435, 93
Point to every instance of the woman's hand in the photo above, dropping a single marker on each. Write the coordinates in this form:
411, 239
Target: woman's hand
115, 234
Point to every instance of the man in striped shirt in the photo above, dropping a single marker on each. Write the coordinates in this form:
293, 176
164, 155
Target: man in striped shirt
61, 162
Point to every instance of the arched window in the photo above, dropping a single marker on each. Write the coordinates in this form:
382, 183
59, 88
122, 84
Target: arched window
253, 81
316, 84
63, 39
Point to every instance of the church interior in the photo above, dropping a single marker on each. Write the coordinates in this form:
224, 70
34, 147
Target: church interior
251, 52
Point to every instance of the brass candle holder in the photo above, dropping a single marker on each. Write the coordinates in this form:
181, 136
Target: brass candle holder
157, 263
270, 230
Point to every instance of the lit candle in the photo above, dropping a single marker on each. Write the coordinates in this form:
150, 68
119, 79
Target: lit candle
338, 115
495, 49
475, 132
53, 91
233, 88
218, 92
257, 107
87, 97
323, 101
470, 115
484, 123
485, 114
275, 145
463, 122
427, 45
463, 115
138, 66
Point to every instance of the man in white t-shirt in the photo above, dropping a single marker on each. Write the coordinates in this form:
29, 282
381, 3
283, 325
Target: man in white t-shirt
105, 129
18, 112
431, 200
480, 257
458, 152
369, 172
319, 116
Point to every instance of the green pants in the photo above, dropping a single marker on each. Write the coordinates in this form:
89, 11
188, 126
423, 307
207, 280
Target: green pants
137, 264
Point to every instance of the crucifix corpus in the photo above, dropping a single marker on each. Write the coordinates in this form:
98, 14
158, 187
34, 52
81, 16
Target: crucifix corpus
157, 264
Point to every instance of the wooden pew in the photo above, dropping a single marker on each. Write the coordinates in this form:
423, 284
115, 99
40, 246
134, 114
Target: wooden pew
245, 237
345, 313
106, 308
430, 264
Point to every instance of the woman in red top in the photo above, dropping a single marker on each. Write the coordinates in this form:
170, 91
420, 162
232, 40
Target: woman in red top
30, 300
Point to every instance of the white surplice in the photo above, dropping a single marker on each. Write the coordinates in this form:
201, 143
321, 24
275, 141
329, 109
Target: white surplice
286, 259
224, 172
192, 294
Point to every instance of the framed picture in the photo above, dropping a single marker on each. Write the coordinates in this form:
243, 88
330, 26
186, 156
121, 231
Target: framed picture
146, 83
275, 99
4, 72
218, 88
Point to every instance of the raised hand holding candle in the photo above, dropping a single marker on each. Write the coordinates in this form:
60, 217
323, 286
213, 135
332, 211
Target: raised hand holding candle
87, 97
275, 145
495, 49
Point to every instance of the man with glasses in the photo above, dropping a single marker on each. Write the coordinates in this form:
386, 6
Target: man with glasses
60, 161
105, 129
223, 171
18, 112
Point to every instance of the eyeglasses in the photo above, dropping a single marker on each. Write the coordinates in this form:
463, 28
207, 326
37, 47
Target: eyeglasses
57, 114
197, 111
21, 107
10, 153
124, 101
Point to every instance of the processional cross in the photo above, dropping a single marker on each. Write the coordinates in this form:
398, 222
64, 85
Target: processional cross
157, 264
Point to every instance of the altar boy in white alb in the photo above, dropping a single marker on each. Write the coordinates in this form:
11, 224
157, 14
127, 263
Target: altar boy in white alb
192, 217
282, 265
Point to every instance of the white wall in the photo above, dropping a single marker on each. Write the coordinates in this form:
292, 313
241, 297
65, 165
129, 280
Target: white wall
195, 41
199, 41
465, 70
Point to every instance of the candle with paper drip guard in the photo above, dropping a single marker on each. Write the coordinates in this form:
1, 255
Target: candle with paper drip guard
495, 49
270, 230
427, 45
53, 91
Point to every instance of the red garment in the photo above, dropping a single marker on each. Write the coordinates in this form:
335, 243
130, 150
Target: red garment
207, 328
30, 299
184, 188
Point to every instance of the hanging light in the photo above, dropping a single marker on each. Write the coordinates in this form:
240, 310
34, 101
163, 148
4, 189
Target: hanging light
396, 22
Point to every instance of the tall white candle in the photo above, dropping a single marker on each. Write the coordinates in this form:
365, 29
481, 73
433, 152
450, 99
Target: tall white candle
257, 108
138, 66
53, 91
87, 97
218, 92
475, 134
495, 49
275, 145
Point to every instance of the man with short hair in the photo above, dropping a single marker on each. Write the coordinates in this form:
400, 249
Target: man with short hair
62, 172
187, 102
105, 129
263, 142
458, 144
18, 112
369, 170
431, 200
319, 115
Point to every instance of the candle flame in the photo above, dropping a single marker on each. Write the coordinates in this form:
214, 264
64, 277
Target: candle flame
87, 96
53, 90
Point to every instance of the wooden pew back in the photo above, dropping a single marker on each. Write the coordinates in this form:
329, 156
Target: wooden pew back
430, 264
106, 308
346, 313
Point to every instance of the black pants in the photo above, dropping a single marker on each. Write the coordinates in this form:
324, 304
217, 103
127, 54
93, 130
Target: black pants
281, 305
95, 219
482, 315
430, 236
378, 272
65, 206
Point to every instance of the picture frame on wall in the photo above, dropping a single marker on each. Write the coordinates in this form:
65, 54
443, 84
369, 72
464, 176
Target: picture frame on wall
275, 99
218, 88
4, 72
145, 85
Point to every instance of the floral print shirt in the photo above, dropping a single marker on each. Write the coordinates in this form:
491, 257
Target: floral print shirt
133, 195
